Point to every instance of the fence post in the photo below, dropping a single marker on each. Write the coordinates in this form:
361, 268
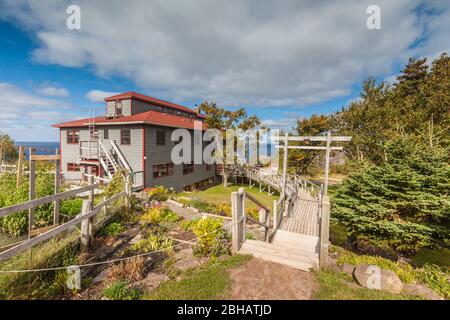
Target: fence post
86, 225
32, 188
127, 191
56, 205
324, 231
275, 215
237, 230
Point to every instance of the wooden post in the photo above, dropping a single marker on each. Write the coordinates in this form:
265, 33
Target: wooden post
324, 230
275, 215
127, 191
86, 225
286, 141
56, 204
31, 189
327, 162
20, 167
237, 210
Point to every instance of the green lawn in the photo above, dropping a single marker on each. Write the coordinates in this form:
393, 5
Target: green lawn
219, 194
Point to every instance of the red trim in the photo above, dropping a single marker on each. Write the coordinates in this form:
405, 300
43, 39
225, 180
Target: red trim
144, 98
148, 117
143, 153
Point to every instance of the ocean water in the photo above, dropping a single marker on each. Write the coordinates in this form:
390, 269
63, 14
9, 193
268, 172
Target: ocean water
41, 148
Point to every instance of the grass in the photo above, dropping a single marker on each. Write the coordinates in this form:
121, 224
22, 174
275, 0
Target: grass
439, 257
219, 194
341, 286
433, 276
206, 283
55, 252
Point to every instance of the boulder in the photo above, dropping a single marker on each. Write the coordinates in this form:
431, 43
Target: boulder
185, 259
374, 277
421, 291
151, 281
332, 265
348, 268
100, 277
136, 238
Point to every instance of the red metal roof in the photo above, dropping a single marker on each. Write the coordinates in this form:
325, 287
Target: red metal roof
148, 117
141, 97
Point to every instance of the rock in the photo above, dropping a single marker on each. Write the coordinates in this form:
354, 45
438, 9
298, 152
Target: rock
100, 277
373, 277
136, 238
348, 268
421, 291
185, 260
151, 281
332, 265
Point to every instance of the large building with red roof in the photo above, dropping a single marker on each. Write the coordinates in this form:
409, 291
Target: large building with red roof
134, 134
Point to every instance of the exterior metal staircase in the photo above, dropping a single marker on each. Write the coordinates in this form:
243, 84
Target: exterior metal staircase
107, 153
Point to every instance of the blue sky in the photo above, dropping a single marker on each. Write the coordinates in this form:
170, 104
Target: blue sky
279, 62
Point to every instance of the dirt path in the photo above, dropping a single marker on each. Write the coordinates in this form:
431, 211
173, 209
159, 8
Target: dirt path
263, 280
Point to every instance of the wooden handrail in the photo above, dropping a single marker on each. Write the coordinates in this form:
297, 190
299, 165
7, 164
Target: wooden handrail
44, 200
256, 201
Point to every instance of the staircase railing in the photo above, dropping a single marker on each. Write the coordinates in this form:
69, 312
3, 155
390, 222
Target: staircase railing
122, 159
104, 151
240, 217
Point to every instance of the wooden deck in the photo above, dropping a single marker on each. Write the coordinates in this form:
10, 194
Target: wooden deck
304, 218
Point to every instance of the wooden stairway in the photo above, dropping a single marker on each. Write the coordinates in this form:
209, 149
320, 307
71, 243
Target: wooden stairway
291, 249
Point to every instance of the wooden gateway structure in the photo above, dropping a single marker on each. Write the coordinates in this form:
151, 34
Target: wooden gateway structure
297, 226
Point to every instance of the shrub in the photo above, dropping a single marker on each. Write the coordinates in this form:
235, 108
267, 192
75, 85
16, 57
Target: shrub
152, 216
17, 223
112, 229
223, 209
153, 242
119, 291
159, 193
253, 212
158, 214
213, 240
71, 207
403, 203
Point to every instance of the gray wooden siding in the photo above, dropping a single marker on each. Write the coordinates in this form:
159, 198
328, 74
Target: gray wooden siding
70, 153
133, 152
161, 155
126, 107
140, 106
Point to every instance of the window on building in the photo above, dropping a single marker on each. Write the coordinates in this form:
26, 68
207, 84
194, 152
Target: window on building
73, 136
125, 136
162, 170
93, 133
73, 167
118, 108
188, 168
105, 134
160, 138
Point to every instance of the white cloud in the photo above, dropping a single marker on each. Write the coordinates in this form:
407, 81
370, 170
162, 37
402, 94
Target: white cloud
98, 95
53, 91
262, 53
24, 115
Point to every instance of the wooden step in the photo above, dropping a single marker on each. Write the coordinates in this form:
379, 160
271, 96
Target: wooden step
279, 256
295, 240
284, 250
